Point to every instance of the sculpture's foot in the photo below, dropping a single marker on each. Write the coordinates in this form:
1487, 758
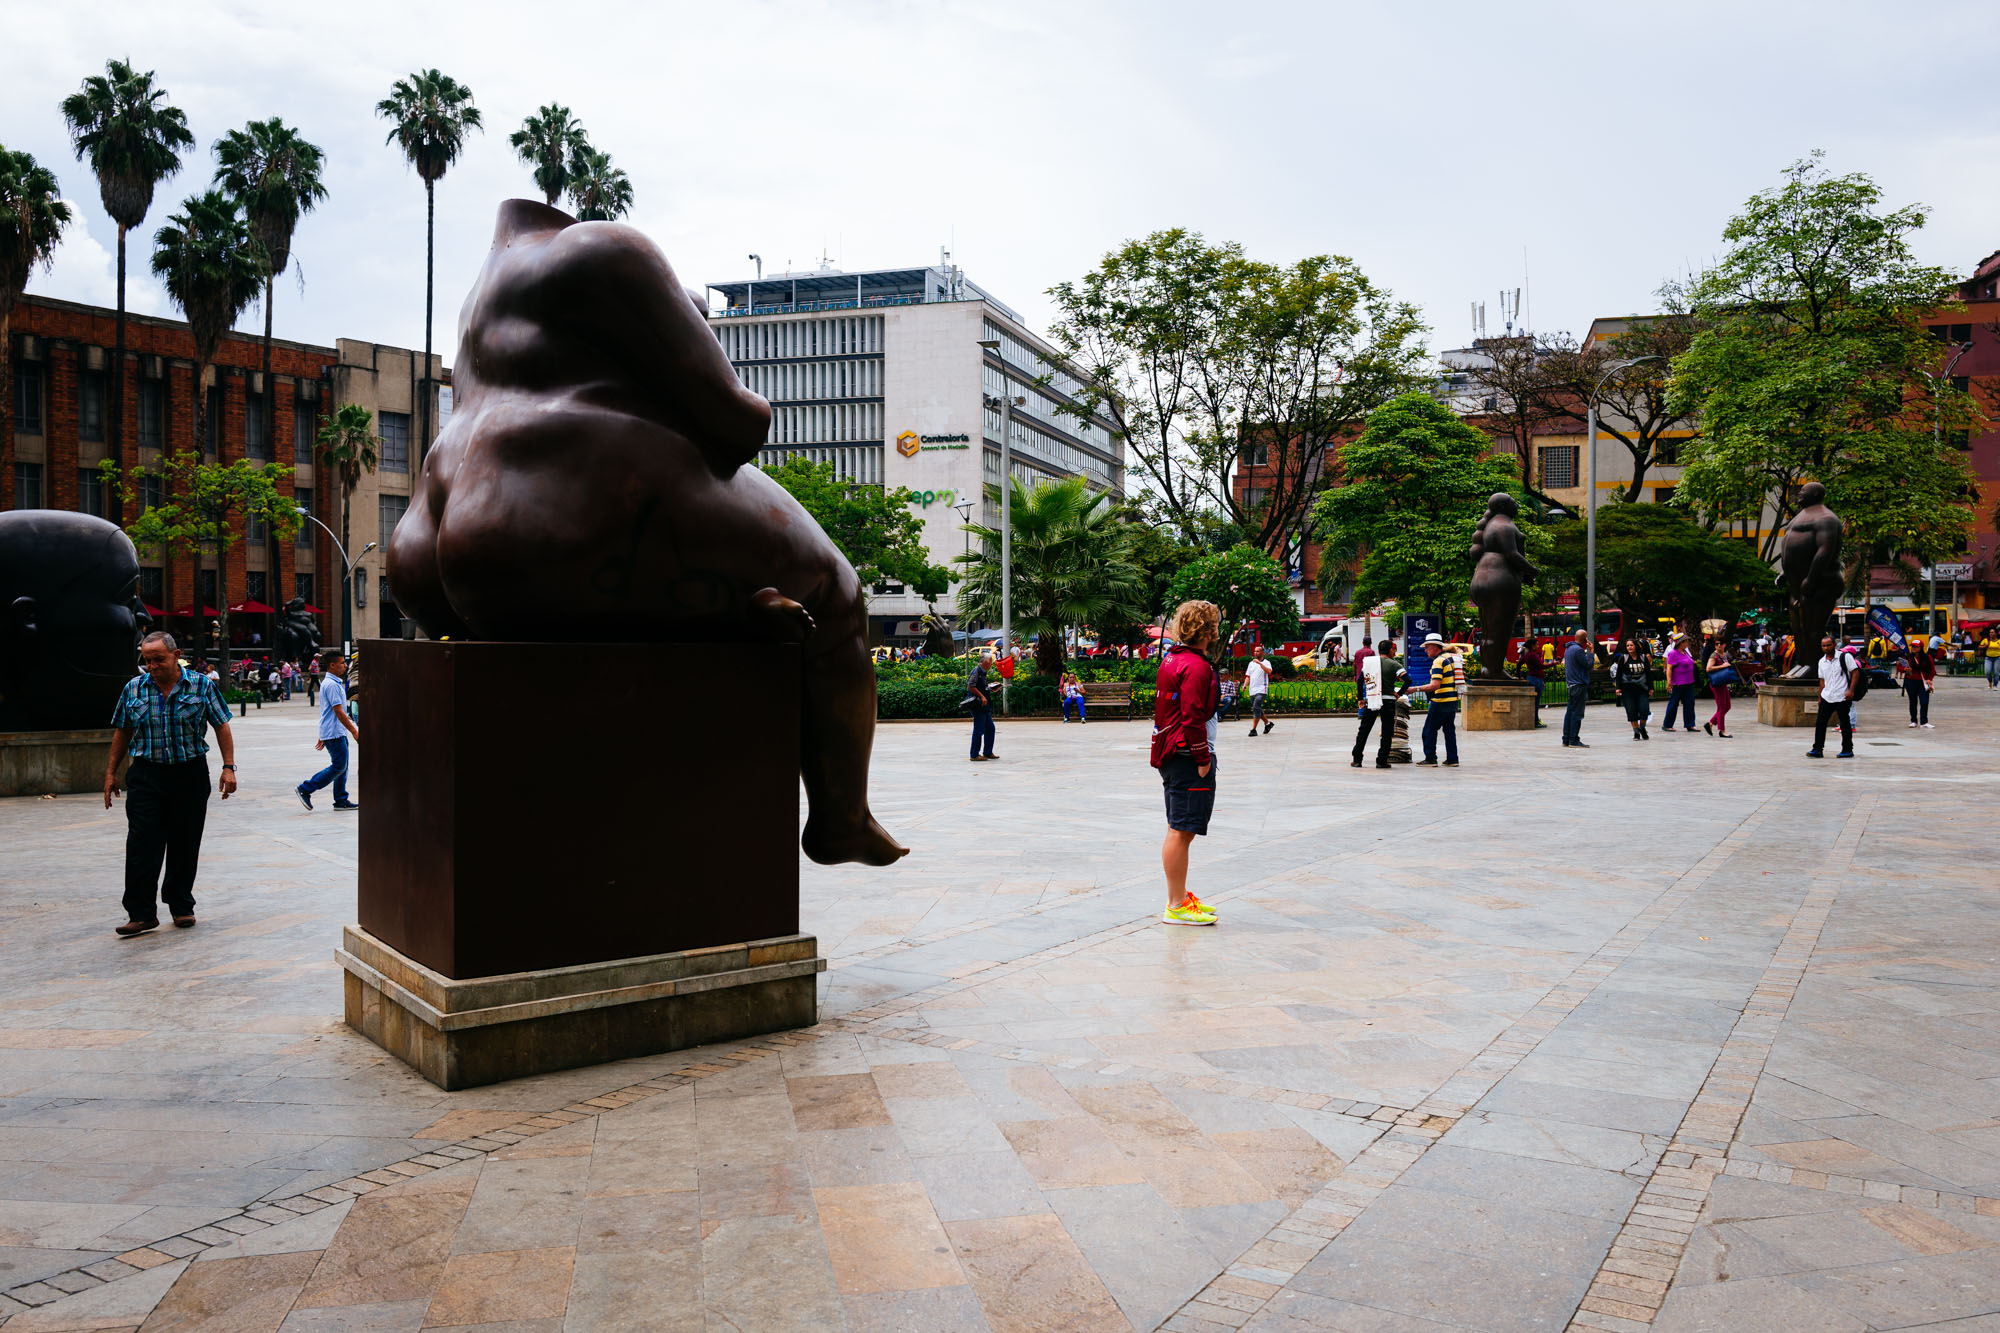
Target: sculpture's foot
866, 843
778, 616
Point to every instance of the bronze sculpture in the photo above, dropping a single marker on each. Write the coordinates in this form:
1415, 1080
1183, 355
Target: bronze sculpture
1809, 571
596, 483
70, 617
297, 632
1500, 566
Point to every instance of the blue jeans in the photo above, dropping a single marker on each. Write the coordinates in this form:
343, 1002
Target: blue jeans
335, 771
1993, 671
1579, 695
1441, 717
1681, 696
1536, 681
982, 725
1077, 703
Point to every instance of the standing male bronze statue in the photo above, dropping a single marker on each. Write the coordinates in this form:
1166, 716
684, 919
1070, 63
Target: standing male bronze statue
1500, 566
1810, 573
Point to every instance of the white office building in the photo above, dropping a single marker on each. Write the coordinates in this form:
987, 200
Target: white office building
882, 375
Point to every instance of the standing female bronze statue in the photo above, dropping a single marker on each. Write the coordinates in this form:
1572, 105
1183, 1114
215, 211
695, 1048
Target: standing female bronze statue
1500, 566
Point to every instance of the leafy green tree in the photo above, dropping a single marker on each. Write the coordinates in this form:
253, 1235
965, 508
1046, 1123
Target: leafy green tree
876, 530
1247, 586
205, 512
431, 113
549, 142
275, 175
211, 266
1416, 483
347, 444
599, 191
123, 127
1814, 364
32, 216
1655, 560
1209, 362
1070, 564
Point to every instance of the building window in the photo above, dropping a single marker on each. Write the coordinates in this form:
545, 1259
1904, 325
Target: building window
90, 491
1951, 333
27, 399
255, 586
1667, 452
208, 598
303, 427
394, 453
90, 406
389, 512
255, 530
1662, 494
212, 429
303, 496
153, 586
152, 413
1559, 466
255, 442
1257, 455
302, 586
27, 485
1255, 496
152, 493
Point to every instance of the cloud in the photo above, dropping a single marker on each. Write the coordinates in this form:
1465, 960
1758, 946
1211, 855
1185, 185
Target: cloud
85, 269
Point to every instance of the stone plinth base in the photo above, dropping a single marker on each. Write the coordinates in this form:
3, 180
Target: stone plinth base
52, 763
462, 1034
1788, 703
1492, 705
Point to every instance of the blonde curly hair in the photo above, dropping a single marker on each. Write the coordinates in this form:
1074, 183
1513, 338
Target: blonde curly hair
1194, 622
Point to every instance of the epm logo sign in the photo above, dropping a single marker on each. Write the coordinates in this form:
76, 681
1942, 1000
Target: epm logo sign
906, 444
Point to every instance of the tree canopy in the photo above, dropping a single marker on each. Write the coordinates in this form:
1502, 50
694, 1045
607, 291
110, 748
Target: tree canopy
549, 142
876, 530
599, 191
121, 125
430, 114
1247, 586
1414, 486
1655, 560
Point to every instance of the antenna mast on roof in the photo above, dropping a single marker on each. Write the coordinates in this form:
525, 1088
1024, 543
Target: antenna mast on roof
1478, 320
1510, 311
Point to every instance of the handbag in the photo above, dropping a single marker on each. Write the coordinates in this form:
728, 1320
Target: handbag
1724, 678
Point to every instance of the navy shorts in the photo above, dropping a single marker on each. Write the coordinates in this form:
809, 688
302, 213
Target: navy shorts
1190, 796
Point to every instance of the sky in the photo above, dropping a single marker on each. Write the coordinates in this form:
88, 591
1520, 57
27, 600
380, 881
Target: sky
1580, 152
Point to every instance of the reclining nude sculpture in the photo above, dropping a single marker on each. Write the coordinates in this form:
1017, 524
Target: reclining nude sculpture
596, 483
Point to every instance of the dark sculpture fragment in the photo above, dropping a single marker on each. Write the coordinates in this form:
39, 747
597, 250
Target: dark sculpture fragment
297, 632
1809, 571
70, 617
1500, 566
595, 484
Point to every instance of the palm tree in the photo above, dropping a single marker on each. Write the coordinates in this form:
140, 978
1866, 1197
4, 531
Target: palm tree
550, 141
119, 124
1071, 567
347, 446
32, 216
599, 191
211, 266
275, 175
431, 113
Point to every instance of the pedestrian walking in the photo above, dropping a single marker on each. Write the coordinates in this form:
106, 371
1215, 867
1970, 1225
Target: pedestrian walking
1919, 679
1838, 669
1257, 684
1578, 661
1989, 648
336, 725
1633, 676
1721, 675
161, 721
1378, 683
312, 682
1183, 750
1445, 688
1680, 681
980, 694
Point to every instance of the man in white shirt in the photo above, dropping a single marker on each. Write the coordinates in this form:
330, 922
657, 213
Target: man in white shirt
1257, 684
1837, 669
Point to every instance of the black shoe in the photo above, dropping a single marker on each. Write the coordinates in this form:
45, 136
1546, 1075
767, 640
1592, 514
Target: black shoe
1427, 763
1579, 745
1708, 727
184, 921
1268, 724
131, 928
1381, 765
305, 797
1355, 764
1451, 763
1253, 731
1845, 754
1815, 754
347, 805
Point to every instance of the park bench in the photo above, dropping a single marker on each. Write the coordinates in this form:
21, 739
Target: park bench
1107, 693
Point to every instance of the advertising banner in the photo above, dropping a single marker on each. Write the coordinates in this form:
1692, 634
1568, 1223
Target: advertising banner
1883, 621
1416, 624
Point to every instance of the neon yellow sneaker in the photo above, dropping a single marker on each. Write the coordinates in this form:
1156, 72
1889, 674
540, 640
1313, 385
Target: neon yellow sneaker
1191, 912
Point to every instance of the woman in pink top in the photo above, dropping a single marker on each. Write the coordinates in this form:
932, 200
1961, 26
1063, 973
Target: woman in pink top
1680, 681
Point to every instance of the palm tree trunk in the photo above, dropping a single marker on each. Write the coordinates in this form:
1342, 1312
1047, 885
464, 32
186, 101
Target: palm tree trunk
6, 368
424, 380
114, 504
274, 553
200, 439
346, 544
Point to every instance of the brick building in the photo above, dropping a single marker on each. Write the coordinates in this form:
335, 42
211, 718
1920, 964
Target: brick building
60, 425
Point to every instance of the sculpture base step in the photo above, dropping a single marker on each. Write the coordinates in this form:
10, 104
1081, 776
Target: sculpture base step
1788, 703
463, 1034
1492, 705
53, 763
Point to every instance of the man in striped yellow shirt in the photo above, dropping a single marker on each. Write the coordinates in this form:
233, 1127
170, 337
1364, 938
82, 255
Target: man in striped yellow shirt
1446, 687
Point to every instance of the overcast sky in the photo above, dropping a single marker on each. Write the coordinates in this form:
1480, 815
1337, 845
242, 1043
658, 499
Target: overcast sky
1584, 151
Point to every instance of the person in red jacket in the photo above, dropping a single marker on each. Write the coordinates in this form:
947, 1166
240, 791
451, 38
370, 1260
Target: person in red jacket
1184, 706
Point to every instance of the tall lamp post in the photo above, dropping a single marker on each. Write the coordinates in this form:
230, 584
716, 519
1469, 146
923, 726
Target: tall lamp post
1590, 499
346, 580
1007, 403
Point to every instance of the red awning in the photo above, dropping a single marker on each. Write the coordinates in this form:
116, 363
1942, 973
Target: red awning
310, 609
191, 612
251, 609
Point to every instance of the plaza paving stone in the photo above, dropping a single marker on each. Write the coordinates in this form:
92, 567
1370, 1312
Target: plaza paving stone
1690, 1034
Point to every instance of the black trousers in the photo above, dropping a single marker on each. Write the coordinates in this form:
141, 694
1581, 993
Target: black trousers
1842, 710
1920, 699
1368, 718
166, 806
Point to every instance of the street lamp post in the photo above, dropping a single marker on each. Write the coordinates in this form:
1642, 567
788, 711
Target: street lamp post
346, 580
1590, 498
1007, 404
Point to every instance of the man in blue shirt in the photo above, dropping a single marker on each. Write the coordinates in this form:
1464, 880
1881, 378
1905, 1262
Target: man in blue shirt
333, 721
1577, 663
161, 720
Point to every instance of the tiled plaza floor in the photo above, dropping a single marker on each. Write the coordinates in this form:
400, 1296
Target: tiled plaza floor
1691, 1034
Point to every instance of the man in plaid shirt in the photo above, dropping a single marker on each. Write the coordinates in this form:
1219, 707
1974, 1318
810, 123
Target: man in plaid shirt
160, 721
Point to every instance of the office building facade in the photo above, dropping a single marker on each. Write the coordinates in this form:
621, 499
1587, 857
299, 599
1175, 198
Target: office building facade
883, 376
